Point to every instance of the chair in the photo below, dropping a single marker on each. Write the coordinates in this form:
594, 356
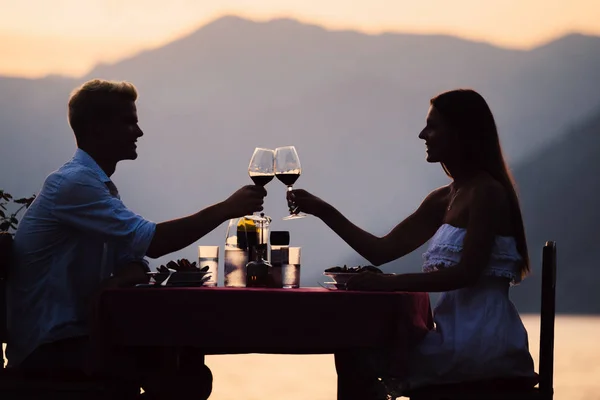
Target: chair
5, 259
513, 388
15, 384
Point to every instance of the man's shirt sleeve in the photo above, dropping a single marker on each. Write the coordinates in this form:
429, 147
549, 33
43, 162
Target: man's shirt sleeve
85, 203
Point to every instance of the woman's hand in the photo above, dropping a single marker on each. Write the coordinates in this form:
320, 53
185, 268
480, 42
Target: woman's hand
371, 281
307, 202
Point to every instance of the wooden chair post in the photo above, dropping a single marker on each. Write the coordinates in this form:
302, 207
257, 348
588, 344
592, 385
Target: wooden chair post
5, 259
548, 312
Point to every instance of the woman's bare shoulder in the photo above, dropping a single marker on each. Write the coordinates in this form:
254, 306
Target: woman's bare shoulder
440, 193
437, 199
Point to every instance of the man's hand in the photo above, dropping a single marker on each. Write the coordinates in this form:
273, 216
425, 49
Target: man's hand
128, 275
245, 201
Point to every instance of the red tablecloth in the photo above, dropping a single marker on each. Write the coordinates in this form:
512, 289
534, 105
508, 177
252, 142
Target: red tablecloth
276, 321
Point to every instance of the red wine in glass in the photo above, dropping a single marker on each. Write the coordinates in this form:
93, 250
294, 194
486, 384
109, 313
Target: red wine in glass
288, 179
261, 180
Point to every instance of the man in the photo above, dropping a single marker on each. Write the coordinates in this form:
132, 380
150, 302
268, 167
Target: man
78, 237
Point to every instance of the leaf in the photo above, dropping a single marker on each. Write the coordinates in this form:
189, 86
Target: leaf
2, 206
4, 226
7, 196
13, 220
22, 200
29, 201
2, 215
14, 226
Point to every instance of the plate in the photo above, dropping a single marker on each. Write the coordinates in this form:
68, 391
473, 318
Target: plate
185, 284
341, 286
182, 277
340, 277
344, 277
180, 284
333, 285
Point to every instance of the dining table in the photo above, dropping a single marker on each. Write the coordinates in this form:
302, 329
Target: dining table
227, 320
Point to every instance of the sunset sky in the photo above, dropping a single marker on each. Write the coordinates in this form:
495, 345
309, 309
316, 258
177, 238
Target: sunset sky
68, 37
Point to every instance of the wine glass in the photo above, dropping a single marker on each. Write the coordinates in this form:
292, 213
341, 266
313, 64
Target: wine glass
288, 170
261, 167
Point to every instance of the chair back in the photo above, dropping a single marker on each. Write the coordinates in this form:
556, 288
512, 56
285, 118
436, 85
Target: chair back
548, 312
5, 260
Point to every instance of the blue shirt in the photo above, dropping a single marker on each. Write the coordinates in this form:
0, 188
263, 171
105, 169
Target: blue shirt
75, 235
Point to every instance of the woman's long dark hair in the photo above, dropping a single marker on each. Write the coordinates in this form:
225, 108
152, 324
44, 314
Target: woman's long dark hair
468, 114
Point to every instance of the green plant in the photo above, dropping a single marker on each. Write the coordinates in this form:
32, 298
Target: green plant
8, 220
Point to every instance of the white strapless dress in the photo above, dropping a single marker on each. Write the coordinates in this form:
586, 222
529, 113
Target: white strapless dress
478, 332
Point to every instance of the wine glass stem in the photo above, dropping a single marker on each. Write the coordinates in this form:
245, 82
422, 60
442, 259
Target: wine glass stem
291, 204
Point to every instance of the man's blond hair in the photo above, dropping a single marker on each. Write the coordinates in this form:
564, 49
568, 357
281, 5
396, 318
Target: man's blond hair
96, 100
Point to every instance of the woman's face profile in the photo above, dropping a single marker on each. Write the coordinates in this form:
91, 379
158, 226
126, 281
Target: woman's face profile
439, 140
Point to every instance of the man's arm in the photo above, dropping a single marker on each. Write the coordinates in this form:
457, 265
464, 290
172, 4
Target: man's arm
179, 233
87, 205
176, 234
168, 237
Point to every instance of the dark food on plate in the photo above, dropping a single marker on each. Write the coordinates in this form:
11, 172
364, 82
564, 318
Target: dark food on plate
354, 270
182, 265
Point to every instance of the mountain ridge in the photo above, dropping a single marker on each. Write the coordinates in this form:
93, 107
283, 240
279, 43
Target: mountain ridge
233, 21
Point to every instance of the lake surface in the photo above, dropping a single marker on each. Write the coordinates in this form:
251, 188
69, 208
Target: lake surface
274, 377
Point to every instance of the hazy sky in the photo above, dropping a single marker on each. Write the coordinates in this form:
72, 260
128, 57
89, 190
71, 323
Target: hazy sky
38, 37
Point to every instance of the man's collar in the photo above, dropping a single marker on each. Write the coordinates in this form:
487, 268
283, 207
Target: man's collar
82, 157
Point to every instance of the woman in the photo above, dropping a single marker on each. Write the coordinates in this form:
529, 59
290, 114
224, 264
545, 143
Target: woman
477, 249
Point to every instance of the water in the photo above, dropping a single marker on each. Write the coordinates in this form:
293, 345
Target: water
299, 377
213, 268
235, 267
290, 274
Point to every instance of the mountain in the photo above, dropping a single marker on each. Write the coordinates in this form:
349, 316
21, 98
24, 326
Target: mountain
352, 104
283, 60
560, 192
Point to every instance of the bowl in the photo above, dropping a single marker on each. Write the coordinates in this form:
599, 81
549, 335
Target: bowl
340, 277
181, 277
331, 285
